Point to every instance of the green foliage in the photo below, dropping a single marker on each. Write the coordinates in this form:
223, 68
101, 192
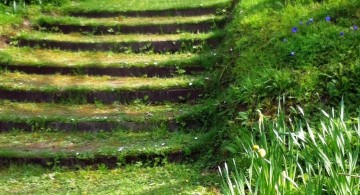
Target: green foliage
313, 66
301, 158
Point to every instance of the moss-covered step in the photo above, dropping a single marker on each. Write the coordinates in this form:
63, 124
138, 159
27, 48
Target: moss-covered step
120, 43
90, 117
43, 61
170, 178
132, 25
95, 148
60, 88
146, 8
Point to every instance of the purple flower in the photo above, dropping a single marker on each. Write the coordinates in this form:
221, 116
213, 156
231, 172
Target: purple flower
328, 18
294, 30
342, 33
355, 27
292, 53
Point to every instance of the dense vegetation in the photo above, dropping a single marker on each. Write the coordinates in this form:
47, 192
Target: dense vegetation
286, 64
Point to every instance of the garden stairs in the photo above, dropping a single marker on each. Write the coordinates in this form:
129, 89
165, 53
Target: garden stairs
106, 93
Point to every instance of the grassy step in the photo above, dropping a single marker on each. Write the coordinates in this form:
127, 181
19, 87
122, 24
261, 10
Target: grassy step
93, 148
60, 88
120, 43
146, 8
88, 117
132, 179
40, 61
155, 25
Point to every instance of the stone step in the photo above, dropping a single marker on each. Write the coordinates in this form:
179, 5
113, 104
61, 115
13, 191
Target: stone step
42, 61
123, 25
153, 9
136, 43
105, 89
139, 178
90, 117
81, 149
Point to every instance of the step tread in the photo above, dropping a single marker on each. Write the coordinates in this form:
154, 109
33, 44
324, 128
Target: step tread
138, 112
145, 5
58, 83
128, 38
60, 58
127, 21
90, 144
171, 178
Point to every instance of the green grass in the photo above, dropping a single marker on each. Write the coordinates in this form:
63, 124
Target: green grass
18, 111
53, 83
56, 58
90, 144
139, 5
168, 179
127, 21
324, 66
130, 38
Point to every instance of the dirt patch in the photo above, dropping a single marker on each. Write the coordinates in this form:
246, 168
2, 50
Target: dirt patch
4, 41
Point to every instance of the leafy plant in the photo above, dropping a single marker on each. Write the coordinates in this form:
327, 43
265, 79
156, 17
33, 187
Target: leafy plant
291, 157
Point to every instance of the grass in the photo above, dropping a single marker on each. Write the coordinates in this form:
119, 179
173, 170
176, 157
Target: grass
123, 5
90, 144
130, 38
53, 83
314, 66
168, 179
18, 111
41, 57
126, 21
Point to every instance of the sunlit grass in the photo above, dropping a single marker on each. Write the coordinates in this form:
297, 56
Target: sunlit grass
89, 144
139, 5
18, 111
28, 82
168, 179
127, 21
58, 58
78, 37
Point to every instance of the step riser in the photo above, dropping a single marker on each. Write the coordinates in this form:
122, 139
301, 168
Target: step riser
146, 29
150, 13
156, 46
177, 95
116, 72
109, 161
85, 126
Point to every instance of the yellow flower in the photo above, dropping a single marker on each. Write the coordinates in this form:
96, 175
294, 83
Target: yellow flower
262, 152
256, 147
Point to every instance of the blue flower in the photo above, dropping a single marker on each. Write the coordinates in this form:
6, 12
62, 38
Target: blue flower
342, 33
285, 40
328, 18
301, 23
294, 30
292, 53
355, 27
